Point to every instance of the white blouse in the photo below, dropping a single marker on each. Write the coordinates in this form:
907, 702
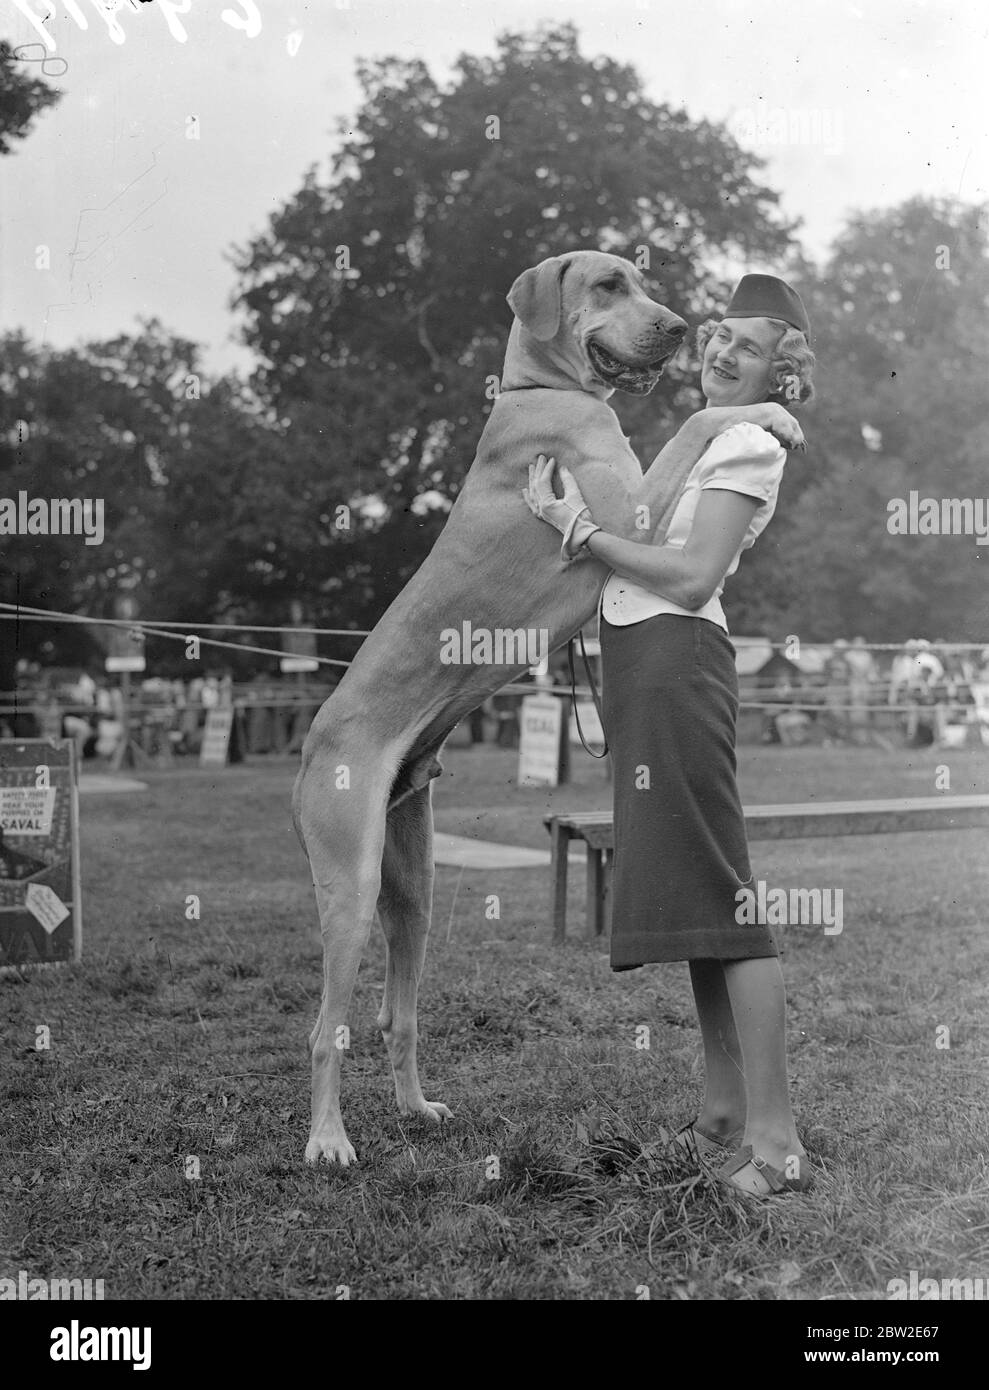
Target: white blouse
743, 459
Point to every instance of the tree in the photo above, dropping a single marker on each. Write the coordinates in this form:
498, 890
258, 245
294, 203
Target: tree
118, 423
21, 98
902, 336
376, 299
201, 518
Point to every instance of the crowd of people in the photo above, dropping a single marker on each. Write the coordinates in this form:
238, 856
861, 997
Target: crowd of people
166, 717
932, 693
929, 693
935, 693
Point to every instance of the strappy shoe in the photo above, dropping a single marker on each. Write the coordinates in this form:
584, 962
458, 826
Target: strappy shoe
776, 1180
698, 1144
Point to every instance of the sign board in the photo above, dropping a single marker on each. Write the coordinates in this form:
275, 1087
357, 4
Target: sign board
26, 810
40, 908
122, 643
299, 647
118, 664
540, 725
216, 737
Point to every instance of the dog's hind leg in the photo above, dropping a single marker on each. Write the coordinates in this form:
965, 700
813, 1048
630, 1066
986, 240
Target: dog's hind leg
343, 830
404, 909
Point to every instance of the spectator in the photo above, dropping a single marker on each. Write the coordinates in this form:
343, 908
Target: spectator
79, 729
837, 681
953, 661
506, 710
980, 695
863, 674
86, 689
922, 719
49, 715
780, 692
901, 674
955, 704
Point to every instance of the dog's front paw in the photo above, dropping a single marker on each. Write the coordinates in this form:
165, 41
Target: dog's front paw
428, 1110
334, 1148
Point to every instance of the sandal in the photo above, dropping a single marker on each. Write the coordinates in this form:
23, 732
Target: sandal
777, 1181
696, 1143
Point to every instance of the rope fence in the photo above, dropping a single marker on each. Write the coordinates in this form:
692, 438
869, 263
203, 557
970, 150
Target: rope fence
806, 695
13, 612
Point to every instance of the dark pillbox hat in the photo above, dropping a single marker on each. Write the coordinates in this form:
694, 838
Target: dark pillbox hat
766, 297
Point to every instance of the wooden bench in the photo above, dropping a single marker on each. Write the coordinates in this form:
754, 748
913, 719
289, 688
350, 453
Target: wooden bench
786, 822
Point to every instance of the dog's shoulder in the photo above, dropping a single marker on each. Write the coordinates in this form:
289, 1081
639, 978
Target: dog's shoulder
547, 415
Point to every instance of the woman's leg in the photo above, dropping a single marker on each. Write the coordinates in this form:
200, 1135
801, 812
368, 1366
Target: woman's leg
758, 1004
723, 1113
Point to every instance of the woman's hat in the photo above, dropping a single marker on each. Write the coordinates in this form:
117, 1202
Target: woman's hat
766, 297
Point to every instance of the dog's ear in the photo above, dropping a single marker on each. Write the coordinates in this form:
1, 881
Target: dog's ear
535, 298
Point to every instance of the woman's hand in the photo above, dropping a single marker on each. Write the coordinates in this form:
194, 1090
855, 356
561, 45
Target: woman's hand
569, 514
768, 415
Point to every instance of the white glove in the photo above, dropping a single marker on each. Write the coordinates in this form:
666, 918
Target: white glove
569, 514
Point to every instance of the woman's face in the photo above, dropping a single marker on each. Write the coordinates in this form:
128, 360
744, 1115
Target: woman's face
736, 369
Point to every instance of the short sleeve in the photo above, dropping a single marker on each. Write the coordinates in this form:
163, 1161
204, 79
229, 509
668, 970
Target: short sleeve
744, 459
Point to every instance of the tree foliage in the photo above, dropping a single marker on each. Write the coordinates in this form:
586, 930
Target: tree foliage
901, 330
134, 424
22, 97
376, 299
375, 302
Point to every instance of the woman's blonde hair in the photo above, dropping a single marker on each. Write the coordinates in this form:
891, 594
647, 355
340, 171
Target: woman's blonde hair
791, 371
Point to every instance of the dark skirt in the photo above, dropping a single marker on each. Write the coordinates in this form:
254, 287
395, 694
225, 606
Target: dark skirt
681, 855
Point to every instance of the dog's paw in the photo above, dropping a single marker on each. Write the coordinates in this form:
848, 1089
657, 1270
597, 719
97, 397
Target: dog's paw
428, 1110
334, 1149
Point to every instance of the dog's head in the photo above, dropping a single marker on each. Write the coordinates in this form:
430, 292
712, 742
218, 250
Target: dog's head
593, 314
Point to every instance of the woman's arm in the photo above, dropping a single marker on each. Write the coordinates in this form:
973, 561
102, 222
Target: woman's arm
663, 482
690, 575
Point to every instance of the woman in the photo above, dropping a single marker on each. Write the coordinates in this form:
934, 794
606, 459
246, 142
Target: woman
670, 707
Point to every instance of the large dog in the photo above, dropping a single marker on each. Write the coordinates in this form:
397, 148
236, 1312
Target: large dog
584, 327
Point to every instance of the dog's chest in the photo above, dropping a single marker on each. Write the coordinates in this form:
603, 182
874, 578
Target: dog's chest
570, 426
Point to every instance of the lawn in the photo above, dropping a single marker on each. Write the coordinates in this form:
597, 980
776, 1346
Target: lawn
179, 1044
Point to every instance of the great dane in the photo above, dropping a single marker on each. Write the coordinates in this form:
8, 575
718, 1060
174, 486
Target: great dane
584, 327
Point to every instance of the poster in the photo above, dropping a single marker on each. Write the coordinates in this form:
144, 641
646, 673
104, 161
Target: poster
539, 741
216, 737
40, 909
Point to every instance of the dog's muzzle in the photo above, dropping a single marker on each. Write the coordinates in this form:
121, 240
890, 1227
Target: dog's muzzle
636, 378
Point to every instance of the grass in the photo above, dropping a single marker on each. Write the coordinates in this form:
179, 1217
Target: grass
178, 1039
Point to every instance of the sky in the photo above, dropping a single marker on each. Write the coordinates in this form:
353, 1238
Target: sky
854, 105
